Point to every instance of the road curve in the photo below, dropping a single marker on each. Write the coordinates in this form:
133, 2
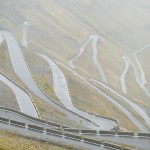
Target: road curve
79, 53
50, 137
135, 54
122, 78
137, 77
95, 59
24, 37
142, 79
140, 142
94, 40
21, 69
19, 64
113, 101
62, 92
24, 101
133, 105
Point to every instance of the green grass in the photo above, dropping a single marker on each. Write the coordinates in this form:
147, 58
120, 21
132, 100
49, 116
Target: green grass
10, 141
58, 29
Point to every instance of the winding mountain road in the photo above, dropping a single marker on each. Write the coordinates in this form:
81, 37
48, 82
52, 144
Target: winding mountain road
137, 76
94, 40
62, 92
24, 101
133, 105
113, 101
139, 142
24, 37
122, 78
21, 69
142, 81
23, 73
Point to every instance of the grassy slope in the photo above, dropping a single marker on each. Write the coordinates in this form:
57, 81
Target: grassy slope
10, 141
59, 27
113, 29
120, 101
83, 60
7, 97
83, 97
47, 111
89, 100
41, 72
121, 36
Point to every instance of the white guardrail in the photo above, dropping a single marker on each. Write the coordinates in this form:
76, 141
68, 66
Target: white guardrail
78, 138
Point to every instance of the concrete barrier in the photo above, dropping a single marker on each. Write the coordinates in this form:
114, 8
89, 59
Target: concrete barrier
126, 133
4, 120
144, 134
88, 131
53, 132
35, 128
17, 123
112, 146
107, 132
73, 136
92, 141
72, 130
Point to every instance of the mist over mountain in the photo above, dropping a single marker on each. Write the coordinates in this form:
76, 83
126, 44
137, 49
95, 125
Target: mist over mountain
90, 58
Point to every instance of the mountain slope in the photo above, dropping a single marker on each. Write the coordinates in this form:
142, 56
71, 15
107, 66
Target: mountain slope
58, 29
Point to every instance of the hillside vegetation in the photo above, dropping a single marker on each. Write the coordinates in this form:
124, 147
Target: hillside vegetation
10, 141
59, 28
